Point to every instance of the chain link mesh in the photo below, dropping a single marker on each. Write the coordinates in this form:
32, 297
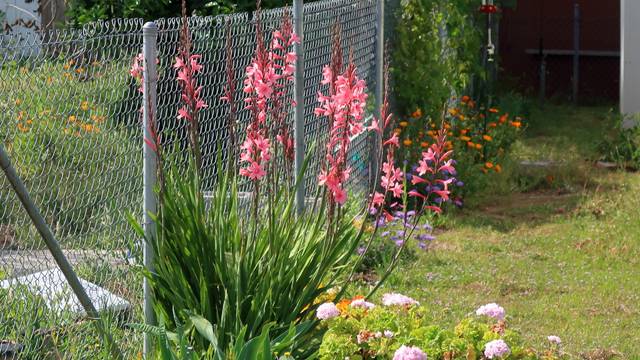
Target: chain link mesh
70, 121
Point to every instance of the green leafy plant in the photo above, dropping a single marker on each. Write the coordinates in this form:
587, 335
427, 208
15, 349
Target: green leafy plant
622, 147
176, 346
363, 330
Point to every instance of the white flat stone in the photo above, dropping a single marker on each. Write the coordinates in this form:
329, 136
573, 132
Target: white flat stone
56, 293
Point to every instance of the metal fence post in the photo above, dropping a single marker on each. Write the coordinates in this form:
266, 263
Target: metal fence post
379, 90
149, 86
298, 130
576, 51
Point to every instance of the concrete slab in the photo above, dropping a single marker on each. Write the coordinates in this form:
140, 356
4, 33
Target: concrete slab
52, 286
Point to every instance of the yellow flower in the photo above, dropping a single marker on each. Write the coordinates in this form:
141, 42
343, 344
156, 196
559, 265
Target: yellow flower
487, 138
71, 118
18, 102
462, 117
407, 142
404, 124
22, 128
84, 106
397, 131
453, 112
465, 138
79, 70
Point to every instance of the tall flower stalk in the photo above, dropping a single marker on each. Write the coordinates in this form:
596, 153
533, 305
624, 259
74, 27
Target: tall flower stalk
188, 66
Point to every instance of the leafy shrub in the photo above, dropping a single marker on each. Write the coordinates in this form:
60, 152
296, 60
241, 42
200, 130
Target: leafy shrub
357, 329
435, 53
622, 147
480, 138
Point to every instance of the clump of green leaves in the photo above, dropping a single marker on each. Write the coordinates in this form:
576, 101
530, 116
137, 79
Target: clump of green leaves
622, 147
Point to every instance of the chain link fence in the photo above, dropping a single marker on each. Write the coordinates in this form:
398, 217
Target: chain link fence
70, 121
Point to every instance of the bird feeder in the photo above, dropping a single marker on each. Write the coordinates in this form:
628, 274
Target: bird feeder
488, 7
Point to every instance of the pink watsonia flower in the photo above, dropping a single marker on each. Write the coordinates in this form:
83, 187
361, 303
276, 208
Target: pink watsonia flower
266, 79
492, 310
344, 106
409, 353
395, 299
433, 171
327, 311
496, 349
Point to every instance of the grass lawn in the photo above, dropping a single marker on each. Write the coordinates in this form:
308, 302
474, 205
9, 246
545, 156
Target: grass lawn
562, 257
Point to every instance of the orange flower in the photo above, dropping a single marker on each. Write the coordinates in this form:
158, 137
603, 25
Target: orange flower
432, 125
450, 133
22, 128
487, 138
447, 126
424, 144
494, 110
407, 142
397, 131
488, 165
484, 170
453, 112
431, 132
464, 131
478, 147
72, 118
471, 104
343, 305
516, 124
498, 168
416, 114
462, 117
471, 144
504, 118
465, 138
18, 102
465, 99
404, 124
492, 124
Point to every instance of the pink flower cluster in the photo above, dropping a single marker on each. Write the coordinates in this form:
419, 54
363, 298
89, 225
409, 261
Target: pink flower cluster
264, 84
327, 311
409, 353
344, 107
496, 349
362, 303
435, 162
492, 310
187, 68
395, 299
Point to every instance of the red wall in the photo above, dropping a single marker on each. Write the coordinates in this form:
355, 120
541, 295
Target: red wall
552, 21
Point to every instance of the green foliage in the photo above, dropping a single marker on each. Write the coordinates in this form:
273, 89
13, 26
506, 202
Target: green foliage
83, 11
622, 147
379, 332
176, 346
239, 273
435, 52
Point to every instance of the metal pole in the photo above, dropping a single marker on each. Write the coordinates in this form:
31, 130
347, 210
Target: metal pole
576, 51
149, 88
56, 251
379, 90
298, 129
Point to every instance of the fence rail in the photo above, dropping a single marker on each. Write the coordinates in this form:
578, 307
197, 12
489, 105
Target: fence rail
70, 122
